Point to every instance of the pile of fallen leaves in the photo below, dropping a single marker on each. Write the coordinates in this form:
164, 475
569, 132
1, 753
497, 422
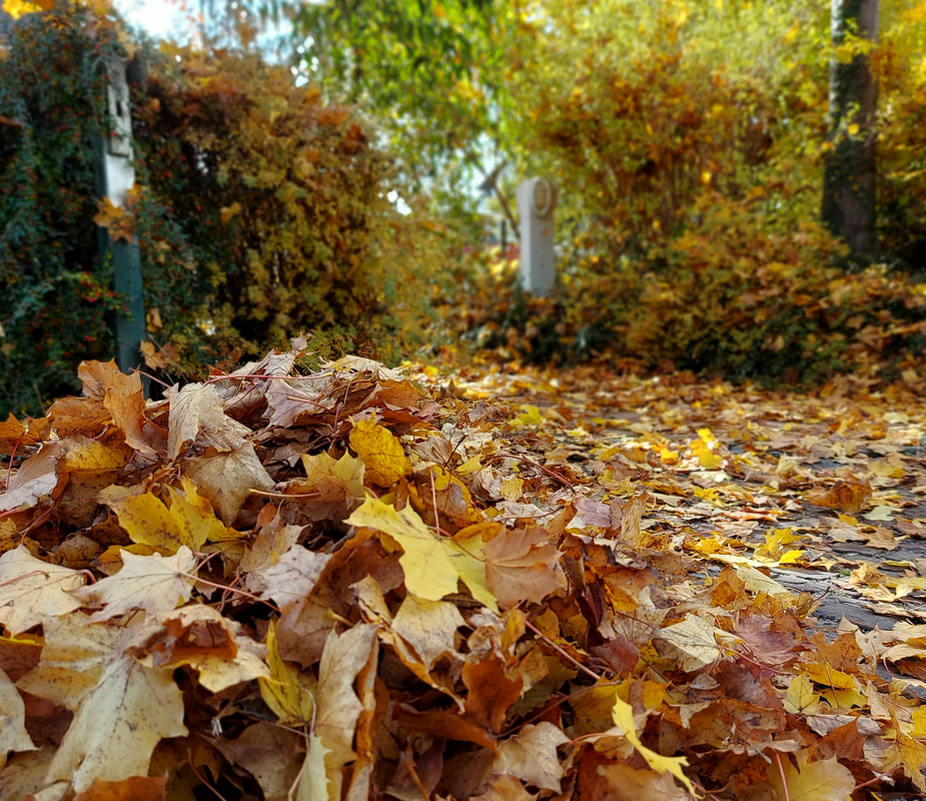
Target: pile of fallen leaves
350, 585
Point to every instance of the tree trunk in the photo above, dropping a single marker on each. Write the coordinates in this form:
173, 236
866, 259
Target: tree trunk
849, 174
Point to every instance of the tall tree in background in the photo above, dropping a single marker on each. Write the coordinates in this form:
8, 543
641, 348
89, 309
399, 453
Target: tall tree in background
429, 72
849, 179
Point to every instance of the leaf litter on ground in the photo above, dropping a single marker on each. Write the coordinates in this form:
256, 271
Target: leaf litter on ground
371, 583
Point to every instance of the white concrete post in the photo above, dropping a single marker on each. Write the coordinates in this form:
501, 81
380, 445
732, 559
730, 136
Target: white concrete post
116, 176
536, 202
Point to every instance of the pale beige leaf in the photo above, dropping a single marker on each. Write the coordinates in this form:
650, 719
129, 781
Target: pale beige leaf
756, 581
504, 788
290, 403
691, 642
428, 626
73, 657
337, 703
241, 394
154, 583
32, 590
118, 724
366, 740
294, 576
313, 783
216, 674
823, 780
196, 417
625, 783
374, 610
531, 755
361, 364
13, 734
265, 550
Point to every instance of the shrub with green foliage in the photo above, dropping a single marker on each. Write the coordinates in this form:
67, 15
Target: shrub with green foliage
56, 297
261, 213
278, 198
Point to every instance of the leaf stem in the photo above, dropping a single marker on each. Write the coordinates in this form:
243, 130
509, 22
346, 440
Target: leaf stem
189, 758
781, 772
562, 652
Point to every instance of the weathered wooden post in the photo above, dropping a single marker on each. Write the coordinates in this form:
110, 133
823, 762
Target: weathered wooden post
536, 202
115, 177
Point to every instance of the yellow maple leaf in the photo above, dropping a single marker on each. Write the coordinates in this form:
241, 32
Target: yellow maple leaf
530, 416
432, 565
381, 452
189, 520
194, 513
668, 456
702, 448
287, 691
828, 676
773, 550
622, 714
918, 719
531, 755
800, 695
843, 699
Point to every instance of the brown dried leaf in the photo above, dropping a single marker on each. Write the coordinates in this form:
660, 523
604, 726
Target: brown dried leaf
18, 436
136, 788
271, 754
531, 755
227, 479
846, 496
523, 565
